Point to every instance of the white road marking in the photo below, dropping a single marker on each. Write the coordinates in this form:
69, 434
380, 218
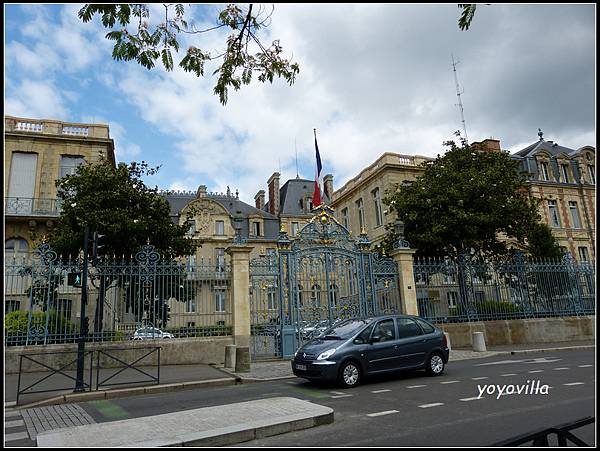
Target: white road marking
340, 396
14, 423
15, 436
584, 366
378, 414
501, 362
509, 374
479, 378
471, 399
435, 404
449, 382
337, 393
380, 391
575, 383
558, 369
543, 360
416, 386
536, 371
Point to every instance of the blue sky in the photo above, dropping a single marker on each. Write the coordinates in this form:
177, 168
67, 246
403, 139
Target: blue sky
373, 79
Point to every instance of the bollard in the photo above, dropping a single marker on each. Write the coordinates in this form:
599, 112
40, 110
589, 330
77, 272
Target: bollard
478, 342
448, 341
229, 356
242, 359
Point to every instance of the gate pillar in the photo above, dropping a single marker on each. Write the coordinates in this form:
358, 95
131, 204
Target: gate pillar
240, 293
408, 294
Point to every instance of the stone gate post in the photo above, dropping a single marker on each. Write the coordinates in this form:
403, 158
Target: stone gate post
240, 293
406, 283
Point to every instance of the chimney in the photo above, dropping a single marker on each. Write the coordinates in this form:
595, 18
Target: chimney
487, 145
259, 199
273, 185
328, 187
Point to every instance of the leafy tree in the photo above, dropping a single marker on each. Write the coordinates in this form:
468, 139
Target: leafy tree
466, 17
541, 243
466, 199
115, 202
146, 44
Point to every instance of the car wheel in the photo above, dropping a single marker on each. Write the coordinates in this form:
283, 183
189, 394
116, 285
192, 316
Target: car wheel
435, 365
350, 374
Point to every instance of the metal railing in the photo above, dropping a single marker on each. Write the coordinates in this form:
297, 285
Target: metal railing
541, 437
124, 295
150, 377
468, 289
27, 390
32, 206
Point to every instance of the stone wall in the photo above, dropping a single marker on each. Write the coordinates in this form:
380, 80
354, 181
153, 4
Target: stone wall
180, 351
522, 331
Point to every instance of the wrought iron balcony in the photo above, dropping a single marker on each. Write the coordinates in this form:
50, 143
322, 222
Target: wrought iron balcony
28, 206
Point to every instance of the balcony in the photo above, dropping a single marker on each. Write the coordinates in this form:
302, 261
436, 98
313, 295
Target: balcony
23, 206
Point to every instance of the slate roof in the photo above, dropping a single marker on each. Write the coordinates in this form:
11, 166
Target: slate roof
290, 195
233, 205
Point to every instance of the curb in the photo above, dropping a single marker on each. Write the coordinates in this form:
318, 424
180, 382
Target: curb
124, 392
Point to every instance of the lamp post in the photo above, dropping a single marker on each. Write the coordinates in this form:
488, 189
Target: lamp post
79, 385
401, 243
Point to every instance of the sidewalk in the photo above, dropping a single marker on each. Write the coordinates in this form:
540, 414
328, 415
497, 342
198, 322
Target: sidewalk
185, 377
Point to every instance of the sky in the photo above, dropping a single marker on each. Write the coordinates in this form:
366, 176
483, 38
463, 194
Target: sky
373, 79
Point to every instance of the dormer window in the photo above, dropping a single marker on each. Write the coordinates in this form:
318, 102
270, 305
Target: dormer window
565, 172
220, 228
544, 171
256, 228
592, 174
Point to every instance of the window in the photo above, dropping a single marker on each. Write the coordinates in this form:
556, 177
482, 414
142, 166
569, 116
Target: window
553, 209
361, 214
408, 328
315, 295
309, 204
427, 328
192, 228
385, 330
190, 306
544, 171
583, 254
15, 246
22, 175
190, 263
574, 215
565, 172
345, 220
256, 228
220, 259
592, 174
219, 228
69, 164
272, 297
300, 296
377, 202
452, 297
10, 305
363, 338
333, 295
220, 299
295, 228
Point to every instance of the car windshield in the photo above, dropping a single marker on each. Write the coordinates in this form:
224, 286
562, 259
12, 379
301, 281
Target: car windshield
345, 329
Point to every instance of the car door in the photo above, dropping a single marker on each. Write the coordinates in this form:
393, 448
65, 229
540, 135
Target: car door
382, 352
411, 343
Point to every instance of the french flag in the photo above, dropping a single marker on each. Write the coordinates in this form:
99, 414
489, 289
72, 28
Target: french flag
317, 192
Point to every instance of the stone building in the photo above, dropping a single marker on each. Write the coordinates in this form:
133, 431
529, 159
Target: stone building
359, 204
561, 177
36, 154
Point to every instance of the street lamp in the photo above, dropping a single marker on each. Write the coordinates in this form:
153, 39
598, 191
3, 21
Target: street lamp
401, 243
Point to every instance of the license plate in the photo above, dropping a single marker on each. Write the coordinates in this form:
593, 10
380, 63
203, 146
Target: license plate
301, 367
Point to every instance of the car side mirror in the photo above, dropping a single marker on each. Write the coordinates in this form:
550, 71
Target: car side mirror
375, 339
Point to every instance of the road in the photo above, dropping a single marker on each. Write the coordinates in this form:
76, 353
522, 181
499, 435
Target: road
411, 409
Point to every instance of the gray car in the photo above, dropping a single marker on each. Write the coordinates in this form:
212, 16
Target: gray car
356, 348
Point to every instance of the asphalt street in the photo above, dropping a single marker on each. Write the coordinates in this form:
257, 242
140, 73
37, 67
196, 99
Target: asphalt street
461, 407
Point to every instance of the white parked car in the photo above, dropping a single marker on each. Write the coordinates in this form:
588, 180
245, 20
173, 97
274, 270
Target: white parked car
149, 333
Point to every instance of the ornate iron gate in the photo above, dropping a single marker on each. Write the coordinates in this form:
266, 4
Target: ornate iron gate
321, 277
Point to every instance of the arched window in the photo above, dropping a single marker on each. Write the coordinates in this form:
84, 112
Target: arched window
333, 295
14, 247
315, 295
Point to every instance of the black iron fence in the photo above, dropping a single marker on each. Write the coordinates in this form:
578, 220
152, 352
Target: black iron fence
471, 289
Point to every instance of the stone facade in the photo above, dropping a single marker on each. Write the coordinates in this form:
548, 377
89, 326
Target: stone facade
46, 142
569, 185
